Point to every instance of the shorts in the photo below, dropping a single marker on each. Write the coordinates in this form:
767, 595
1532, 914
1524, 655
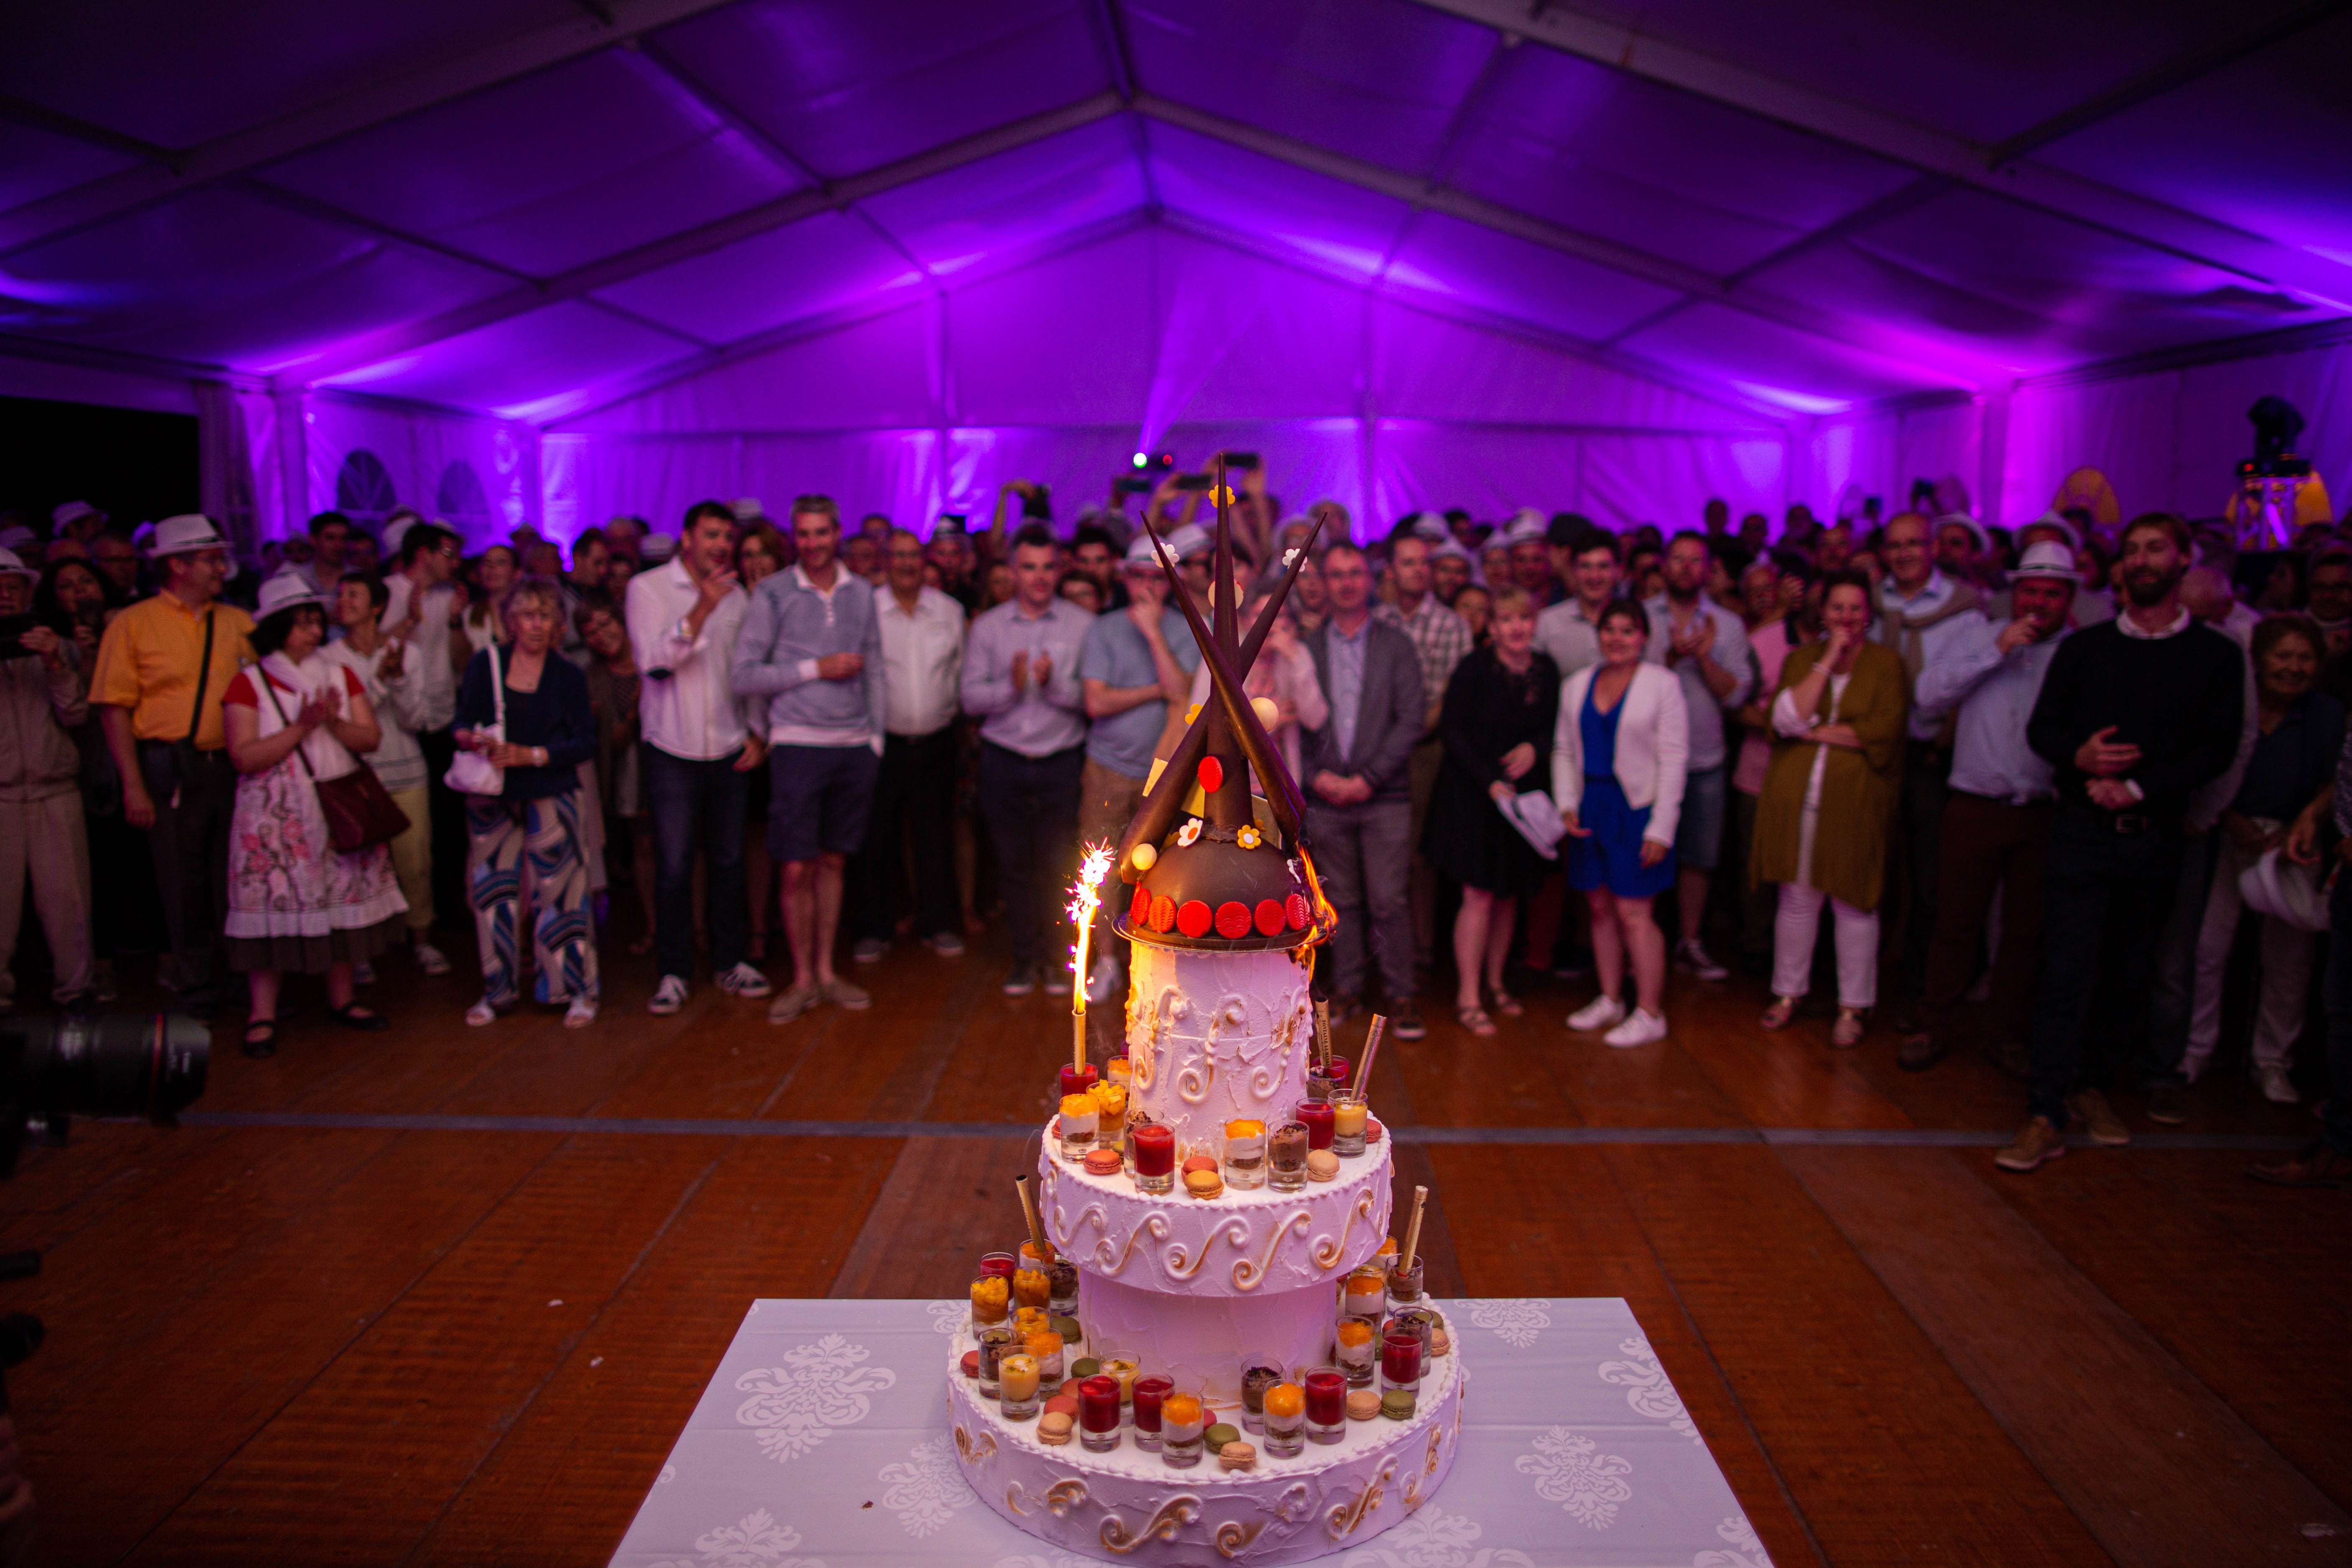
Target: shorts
1698, 836
820, 798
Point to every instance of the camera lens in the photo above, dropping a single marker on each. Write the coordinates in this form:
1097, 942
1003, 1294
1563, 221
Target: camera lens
151, 1067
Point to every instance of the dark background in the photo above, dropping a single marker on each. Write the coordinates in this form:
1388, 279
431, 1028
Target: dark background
133, 465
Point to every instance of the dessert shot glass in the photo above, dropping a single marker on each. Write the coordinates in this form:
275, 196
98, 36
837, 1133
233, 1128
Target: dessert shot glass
1017, 1379
1045, 1349
1001, 1264
1326, 1388
1400, 1369
1061, 1287
1347, 1119
991, 1300
1285, 1420
1150, 1394
1366, 1292
1285, 1157
1183, 1419
1077, 1080
1098, 1414
1244, 1161
1315, 1115
1259, 1373
1076, 1125
1404, 1284
1358, 1350
1122, 1369
995, 1343
1154, 1153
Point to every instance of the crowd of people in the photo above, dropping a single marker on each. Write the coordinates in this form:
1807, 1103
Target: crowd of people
2040, 777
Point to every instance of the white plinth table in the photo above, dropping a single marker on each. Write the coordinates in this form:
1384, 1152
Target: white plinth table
823, 1442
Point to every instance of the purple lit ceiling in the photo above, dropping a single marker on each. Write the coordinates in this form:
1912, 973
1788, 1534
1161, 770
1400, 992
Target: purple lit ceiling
803, 214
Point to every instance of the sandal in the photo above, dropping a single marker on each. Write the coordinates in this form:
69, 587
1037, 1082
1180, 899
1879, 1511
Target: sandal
350, 1016
479, 1014
1778, 1015
1507, 1004
1846, 1033
265, 1043
1475, 1020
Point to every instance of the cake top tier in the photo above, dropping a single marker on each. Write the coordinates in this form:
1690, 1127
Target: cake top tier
1214, 1037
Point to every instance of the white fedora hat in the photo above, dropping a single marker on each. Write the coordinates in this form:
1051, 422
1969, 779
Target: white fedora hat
2277, 887
187, 534
286, 591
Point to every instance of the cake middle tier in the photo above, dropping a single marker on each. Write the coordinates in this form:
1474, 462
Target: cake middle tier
1248, 1243
1214, 1037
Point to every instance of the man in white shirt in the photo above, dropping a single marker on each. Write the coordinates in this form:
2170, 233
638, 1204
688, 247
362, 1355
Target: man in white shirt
420, 605
914, 798
701, 744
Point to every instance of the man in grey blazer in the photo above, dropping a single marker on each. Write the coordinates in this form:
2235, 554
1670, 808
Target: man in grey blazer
1357, 780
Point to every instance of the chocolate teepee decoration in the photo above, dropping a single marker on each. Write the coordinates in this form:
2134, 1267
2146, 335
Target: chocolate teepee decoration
1222, 868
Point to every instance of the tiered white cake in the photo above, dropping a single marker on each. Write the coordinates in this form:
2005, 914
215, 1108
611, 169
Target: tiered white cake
1190, 1286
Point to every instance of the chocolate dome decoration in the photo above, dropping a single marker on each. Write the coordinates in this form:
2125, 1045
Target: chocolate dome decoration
1208, 864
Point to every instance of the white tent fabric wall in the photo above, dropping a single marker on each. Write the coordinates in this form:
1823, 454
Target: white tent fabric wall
364, 457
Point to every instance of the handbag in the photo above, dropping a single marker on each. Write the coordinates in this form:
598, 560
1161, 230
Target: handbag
470, 773
359, 810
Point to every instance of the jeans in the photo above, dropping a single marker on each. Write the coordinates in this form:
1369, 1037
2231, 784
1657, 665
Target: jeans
2337, 989
697, 803
2173, 998
913, 799
1031, 808
1362, 856
190, 840
2111, 889
1988, 847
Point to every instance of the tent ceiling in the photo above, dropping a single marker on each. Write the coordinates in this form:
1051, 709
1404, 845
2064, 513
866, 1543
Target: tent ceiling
528, 205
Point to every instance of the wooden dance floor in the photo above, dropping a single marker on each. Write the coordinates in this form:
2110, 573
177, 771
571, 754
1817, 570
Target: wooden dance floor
447, 1295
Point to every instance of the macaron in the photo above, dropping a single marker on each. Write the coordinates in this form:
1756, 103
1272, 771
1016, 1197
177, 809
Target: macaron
1322, 1166
1085, 1366
1397, 1405
1204, 1184
1104, 1163
1439, 1342
972, 1364
1237, 1457
1062, 1404
1067, 1328
1218, 1436
1363, 1403
1054, 1429
1372, 1129
1199, 1163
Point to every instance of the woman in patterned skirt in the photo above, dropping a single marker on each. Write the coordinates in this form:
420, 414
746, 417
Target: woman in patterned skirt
295, 902
550, 732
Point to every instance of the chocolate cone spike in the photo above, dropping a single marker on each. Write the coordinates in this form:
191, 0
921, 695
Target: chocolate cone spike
1165, 801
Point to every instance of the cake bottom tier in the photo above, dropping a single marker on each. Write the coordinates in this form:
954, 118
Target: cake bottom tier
1130, 1504
1197, 1341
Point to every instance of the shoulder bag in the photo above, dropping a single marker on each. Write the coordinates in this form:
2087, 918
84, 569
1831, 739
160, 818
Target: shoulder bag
470, 773
360, 811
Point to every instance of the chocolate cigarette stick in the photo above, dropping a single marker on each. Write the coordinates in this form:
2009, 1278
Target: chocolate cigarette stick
1413, 1228
1371, 1052
1029, 1211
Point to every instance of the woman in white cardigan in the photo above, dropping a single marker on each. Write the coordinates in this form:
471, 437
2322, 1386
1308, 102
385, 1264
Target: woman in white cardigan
1620, 753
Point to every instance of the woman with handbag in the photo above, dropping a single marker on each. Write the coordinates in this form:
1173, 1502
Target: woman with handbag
524, 726
311, 884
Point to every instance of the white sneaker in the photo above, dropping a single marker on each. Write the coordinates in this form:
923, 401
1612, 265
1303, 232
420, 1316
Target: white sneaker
947, 944
1597, 1014
1638, 1030
1692, 957
429, 958
668, 996
1102, 981
740, 981
868, 950
2274, 1086
581, 1013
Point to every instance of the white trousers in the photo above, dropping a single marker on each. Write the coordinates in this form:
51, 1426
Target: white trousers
44, 839
1799, 920
2286, 969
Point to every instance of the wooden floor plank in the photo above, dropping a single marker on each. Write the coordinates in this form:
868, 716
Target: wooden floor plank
1870, 1426
943, 1202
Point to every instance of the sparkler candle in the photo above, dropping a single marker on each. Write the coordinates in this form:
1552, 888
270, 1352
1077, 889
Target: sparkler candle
1085, 898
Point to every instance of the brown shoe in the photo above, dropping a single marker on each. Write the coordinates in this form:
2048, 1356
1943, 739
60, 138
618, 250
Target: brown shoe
2315, 1166
2040, 1143
2098, 1118
2167, 1104
1920, 1052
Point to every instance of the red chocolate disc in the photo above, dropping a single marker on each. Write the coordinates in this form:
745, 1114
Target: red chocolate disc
1193, 918
1295, 909
1140, 911
1163, 912
1233, 920
1212, 775
1269, 916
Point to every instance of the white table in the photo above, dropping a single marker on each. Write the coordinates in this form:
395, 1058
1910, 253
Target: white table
822, 1442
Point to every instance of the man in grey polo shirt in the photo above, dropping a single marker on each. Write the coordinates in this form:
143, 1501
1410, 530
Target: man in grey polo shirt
811, 644
1705, 645
1137, 662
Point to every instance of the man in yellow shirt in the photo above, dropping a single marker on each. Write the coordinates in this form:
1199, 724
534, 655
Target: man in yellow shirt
162, 668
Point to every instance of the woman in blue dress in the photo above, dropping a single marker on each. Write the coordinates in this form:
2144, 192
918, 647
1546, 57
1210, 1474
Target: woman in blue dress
1619, 752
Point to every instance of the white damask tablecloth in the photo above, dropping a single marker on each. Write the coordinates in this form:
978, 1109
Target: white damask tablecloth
822, 1442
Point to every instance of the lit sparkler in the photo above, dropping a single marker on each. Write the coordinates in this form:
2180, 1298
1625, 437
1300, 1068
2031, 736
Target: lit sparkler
1085, 898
